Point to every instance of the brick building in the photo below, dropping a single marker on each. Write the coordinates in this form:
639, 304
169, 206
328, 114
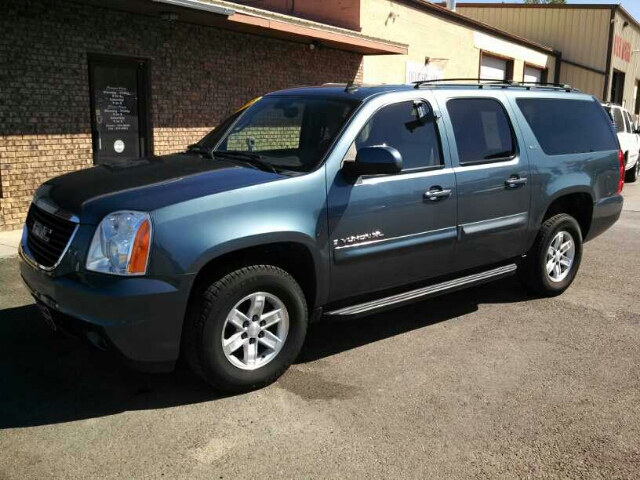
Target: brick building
85, 81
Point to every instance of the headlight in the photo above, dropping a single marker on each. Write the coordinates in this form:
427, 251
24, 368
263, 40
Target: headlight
121, 244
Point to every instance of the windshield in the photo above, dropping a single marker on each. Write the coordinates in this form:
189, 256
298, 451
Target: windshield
290, 133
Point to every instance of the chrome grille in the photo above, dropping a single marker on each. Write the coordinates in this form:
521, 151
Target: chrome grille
47, 236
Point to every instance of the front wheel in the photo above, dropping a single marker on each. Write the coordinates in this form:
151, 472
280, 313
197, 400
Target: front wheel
552, 263
246, 328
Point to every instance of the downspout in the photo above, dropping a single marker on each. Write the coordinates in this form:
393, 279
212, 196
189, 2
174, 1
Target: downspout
607, 76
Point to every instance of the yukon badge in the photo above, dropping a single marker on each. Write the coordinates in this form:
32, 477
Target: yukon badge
40, 231
357, 239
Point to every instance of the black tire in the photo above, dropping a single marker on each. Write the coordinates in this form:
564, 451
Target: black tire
632, 174
205, 321
533, 271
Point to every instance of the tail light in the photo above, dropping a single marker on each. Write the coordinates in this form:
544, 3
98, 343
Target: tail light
621, 179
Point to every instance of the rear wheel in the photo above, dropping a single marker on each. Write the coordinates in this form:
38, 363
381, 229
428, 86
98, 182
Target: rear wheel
553, 261
633, 173
246, 328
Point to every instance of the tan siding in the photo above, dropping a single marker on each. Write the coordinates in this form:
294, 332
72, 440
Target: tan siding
588, 82
581, 34
631, 35
430, 36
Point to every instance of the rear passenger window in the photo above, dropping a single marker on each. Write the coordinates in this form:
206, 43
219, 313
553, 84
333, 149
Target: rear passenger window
481, 129
565, 126
399, 126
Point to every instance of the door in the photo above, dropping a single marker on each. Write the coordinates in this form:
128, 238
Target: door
119, 114
492, 176
495, 68
617, 87
534, 75
390, 230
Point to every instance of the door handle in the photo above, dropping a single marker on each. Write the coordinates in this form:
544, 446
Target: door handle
437, 193
515, 181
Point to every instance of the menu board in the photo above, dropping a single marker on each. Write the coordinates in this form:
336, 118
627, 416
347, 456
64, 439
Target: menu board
116, 111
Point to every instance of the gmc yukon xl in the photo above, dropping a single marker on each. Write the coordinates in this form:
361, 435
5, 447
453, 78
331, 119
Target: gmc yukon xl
320, 203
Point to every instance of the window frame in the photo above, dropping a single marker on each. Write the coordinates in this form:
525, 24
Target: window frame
437, 118
514, 138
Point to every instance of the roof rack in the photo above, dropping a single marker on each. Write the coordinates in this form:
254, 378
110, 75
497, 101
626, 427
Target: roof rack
491, 82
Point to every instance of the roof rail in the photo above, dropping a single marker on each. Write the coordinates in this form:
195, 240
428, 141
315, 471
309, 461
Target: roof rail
491, 82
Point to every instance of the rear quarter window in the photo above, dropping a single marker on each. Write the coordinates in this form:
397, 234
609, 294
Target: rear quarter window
564, 126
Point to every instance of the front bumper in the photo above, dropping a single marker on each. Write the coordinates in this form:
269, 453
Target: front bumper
140, 318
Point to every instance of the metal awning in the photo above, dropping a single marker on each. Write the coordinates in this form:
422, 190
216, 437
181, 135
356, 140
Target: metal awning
236, 17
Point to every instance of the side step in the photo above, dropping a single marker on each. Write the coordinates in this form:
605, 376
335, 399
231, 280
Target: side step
425, 292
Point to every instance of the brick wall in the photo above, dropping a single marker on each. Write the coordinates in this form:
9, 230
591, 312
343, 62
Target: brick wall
198, 75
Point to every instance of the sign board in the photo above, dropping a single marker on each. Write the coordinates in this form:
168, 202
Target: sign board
416, 71
622, 48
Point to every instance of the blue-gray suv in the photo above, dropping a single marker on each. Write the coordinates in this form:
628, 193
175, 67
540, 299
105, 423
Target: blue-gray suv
316, 203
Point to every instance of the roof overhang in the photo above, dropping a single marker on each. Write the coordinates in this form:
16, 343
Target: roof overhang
236, 17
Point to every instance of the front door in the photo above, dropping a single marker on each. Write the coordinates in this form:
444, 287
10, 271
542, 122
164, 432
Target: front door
119, 115
389, 230
492, 175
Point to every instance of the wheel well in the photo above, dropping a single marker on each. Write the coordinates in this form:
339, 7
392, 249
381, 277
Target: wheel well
292, 257
578, 205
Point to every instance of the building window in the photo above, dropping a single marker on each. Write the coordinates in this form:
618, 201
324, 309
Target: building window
493, 67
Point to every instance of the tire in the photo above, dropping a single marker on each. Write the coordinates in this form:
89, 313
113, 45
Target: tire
534, 270
632, 174
209, 323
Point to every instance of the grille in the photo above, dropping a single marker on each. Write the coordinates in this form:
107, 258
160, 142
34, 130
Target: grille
56, 230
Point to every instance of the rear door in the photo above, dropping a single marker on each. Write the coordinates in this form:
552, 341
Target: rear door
492, 176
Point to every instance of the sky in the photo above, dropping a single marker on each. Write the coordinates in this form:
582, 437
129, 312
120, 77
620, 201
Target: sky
631, 6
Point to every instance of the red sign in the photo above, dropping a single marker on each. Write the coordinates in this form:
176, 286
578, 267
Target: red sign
622, 48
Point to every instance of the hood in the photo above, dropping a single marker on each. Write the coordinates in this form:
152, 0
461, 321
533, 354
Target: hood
146, 184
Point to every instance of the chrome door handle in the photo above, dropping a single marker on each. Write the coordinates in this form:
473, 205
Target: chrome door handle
436, 194
514, 182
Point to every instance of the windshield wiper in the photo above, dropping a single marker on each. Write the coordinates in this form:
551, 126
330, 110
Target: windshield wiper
252, 159
197, 148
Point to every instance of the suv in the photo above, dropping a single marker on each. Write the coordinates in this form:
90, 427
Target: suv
628, 138
325, 202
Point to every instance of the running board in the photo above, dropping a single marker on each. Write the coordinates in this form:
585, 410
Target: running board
425, 292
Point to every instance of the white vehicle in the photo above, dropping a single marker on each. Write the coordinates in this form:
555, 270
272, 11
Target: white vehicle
628, 138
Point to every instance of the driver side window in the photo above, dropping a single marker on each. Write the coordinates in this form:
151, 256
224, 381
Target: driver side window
399, 126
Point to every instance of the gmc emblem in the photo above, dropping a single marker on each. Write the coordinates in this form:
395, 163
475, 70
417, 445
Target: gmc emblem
41, 231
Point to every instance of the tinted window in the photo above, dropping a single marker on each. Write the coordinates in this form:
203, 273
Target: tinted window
481, 129
398, 126
569, 126
628, 122
618, 121
293, 133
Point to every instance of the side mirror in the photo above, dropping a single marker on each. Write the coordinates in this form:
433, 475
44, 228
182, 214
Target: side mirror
377, 160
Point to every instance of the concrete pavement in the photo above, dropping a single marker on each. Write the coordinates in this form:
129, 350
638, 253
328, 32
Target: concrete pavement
9, 242
483, 383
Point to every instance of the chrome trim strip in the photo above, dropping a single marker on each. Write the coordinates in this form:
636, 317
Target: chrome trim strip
25, 253
383, 240
373, 247
423, 292
404, 176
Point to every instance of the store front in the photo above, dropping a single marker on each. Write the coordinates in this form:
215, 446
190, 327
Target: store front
85, 82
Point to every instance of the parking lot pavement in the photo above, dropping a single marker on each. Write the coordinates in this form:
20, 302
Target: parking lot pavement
481, 383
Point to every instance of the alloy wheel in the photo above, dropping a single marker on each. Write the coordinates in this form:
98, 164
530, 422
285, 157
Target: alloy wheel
560, 256
255, 331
